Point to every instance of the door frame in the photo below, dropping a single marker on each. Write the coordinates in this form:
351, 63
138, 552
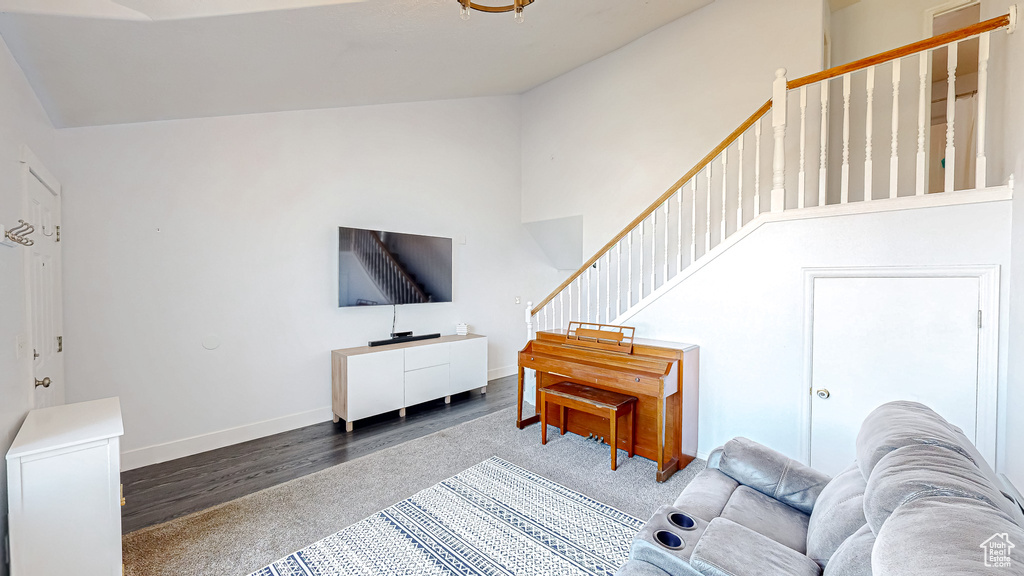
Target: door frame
988, 341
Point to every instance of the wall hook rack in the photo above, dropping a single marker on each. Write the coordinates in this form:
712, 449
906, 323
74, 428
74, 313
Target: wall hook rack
20, 233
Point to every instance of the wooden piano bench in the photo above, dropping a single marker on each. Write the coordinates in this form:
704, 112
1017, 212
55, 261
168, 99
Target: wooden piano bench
604, 403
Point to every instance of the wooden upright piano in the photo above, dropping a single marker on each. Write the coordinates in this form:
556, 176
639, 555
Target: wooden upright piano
662, 375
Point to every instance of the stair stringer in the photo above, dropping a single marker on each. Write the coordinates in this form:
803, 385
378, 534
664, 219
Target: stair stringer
991, 194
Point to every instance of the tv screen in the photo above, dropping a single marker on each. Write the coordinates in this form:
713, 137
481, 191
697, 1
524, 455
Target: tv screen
384, 268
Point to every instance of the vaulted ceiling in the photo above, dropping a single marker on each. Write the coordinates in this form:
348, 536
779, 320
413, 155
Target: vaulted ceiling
107, 70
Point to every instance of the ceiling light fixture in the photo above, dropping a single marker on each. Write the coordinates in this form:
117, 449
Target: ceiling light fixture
517, 7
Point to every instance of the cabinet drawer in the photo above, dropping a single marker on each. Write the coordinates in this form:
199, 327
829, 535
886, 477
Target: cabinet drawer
419, 357
426, 384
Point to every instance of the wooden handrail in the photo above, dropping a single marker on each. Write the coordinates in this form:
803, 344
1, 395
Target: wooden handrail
921, 46
661, 200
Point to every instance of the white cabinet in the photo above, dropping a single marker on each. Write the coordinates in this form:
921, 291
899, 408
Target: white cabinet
63, 480
372, 380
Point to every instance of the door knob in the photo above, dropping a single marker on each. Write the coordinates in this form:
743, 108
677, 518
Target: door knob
823, 394
45, 382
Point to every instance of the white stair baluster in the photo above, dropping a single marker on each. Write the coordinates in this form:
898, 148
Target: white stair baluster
629, 270
561, 308
950, 160
801, 175
654, 249
757, 168
894, 158
707, 223
597, 305
922, 123
844, 191
640, 269
868, 132
679, 230
981, 165
725, 192
693, 219
608, 286
579, 298
618, 277
739, 183
823, 159
590, 286
779, 94
664, 270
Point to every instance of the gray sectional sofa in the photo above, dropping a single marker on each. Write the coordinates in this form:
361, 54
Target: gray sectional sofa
919, 499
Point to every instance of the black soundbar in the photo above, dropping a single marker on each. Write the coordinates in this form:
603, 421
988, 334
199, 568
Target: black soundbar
401, 339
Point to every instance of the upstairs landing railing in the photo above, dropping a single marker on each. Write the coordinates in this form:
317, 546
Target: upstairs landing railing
726, 190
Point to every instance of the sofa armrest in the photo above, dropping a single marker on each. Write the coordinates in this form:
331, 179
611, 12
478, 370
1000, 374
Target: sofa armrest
772, 473
729, 549
715, 457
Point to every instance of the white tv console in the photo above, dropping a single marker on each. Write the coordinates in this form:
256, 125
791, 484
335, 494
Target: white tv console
367, 381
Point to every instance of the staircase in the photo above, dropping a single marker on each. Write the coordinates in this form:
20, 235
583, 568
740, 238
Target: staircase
792, 159
386, 271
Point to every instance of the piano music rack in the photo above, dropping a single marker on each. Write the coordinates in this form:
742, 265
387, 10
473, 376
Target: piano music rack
607, 337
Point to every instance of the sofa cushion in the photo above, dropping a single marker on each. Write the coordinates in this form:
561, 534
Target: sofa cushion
707, 494
729, 549
765, 515
772, 473
853, 557
898, 424
924, 471
945, 535
837, 514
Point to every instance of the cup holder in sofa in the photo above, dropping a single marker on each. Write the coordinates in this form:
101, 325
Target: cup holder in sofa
682, 521
668, 539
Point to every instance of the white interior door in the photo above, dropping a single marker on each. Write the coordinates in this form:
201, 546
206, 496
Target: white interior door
875, 340
46, 324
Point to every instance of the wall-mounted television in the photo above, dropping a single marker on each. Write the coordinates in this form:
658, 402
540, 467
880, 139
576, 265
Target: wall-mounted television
376, 267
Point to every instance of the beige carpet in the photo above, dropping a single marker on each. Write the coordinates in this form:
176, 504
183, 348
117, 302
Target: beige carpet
244, 535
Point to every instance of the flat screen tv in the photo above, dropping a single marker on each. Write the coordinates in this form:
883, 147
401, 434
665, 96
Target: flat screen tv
384, 268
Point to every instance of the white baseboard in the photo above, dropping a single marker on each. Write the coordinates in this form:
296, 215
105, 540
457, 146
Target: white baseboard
188, 446
501, 372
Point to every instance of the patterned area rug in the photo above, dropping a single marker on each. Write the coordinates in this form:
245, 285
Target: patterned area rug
494, 518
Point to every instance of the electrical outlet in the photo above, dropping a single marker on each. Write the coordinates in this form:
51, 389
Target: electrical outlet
20, 345
517, 299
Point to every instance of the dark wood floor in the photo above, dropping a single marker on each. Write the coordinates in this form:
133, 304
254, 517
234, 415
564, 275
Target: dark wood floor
168, 490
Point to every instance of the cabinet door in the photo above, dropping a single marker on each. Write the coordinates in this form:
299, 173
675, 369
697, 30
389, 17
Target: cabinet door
426, 384
375, 383
468, 365
61, 518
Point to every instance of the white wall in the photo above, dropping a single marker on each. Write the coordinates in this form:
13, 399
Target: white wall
1007, 138
22, 122
608, 138
746, 308
229, 227
872, 26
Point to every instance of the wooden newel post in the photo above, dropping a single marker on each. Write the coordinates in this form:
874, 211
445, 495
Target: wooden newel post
779, 125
